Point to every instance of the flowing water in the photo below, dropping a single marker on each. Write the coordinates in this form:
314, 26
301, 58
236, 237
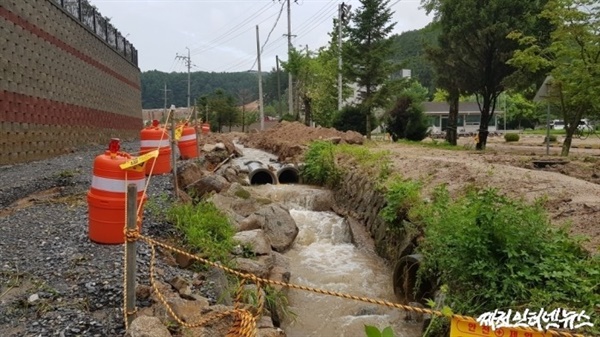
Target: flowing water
323, 256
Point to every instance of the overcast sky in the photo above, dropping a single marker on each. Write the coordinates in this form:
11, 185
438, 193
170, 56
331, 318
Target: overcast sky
221, 35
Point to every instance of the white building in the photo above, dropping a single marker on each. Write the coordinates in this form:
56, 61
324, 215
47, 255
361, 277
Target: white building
468, 121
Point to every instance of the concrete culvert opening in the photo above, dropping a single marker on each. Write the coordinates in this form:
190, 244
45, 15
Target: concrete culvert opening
261, 177
288, 175
405, 280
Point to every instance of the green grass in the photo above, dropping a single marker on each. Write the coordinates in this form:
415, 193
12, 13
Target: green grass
206, 229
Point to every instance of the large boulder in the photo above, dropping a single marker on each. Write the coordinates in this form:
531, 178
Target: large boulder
189, 173
260, 267
255, 240
147, 326
216, 327
279, 226
207, 184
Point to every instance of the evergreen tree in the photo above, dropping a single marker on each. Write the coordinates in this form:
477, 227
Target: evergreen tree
367, 55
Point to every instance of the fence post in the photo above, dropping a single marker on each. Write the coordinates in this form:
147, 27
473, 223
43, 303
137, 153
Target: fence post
130, 258
79, 11
94, 20
173, 148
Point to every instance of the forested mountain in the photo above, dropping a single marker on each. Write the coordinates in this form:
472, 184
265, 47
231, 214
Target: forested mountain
409, 50
202, 83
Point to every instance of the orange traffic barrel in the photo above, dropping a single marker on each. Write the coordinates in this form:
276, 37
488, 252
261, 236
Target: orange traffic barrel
107, 197
205, 128
188, 143
152, 138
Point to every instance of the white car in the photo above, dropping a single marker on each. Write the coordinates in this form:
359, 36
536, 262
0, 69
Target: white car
558, 124
584, 124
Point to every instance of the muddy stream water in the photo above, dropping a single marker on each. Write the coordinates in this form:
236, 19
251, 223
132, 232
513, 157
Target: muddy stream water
323, 256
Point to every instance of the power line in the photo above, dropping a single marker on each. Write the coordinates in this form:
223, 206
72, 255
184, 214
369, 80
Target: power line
219, 39
269, 35
317, 22
325, 12
230, 30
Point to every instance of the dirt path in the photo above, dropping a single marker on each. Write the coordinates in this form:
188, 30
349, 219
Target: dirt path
570, 199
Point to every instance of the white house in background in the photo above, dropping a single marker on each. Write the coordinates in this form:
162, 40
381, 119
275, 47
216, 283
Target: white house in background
469, 117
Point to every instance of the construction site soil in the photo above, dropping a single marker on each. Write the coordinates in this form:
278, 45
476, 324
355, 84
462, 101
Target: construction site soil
54, 281
571, 187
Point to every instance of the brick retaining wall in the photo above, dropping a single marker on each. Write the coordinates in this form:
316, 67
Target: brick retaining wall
61, 86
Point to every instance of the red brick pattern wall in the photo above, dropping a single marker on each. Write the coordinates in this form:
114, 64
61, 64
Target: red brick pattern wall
60, 85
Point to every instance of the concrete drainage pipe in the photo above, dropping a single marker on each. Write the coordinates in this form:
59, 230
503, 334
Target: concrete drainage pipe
259, 174
288, 174
406, 287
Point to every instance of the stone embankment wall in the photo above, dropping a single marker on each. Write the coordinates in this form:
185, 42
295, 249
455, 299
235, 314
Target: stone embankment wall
61, 85
357, 197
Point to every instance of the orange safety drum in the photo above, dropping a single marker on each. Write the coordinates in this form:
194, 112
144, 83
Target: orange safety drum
107, 196
205, 128
188, 143
152, 138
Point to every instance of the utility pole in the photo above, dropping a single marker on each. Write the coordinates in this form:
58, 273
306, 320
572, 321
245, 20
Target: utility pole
278, 87
165, 108
260, 88
340, 9
188, 62
289, 36
343, 10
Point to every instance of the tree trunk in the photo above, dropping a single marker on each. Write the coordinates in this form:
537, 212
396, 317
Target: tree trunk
483, 129
369, 123
566, 147
243, 118
451, 129
307, 110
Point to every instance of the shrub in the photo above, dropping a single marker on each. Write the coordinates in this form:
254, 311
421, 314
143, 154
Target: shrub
406, 119
511, 137
401, 197
206, 229
353, 118
552, 138
319, 164
493, 252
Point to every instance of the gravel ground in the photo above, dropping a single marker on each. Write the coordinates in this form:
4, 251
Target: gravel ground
53, 280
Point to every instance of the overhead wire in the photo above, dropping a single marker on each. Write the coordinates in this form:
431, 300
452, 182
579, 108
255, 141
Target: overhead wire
259, 12
307, 24
220, 39
323, 14
308, 29
269, 35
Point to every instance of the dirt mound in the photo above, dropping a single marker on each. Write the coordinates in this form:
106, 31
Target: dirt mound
214, 138
289, 140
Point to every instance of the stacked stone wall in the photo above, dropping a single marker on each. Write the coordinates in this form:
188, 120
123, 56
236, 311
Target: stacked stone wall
358, 197
61, 86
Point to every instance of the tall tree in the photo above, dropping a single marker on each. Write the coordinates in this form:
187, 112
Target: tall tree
573, 58
244, 97
444, 59
219, 109
477, 32
367, 54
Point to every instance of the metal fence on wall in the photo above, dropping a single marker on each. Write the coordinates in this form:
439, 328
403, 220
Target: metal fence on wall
89, 16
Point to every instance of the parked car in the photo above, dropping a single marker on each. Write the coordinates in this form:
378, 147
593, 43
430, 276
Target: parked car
557, 124
585, 124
